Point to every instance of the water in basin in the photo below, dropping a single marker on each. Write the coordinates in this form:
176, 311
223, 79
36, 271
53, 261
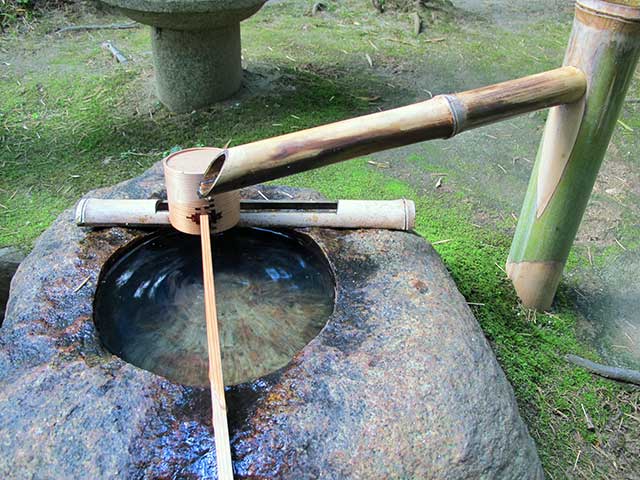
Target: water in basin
275, 292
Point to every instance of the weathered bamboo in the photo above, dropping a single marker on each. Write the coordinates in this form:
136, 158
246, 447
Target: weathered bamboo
386, 214
441, 117
218, 402
121, 212
605, 44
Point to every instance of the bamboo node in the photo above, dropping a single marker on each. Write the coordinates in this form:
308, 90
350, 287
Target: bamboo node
457, 113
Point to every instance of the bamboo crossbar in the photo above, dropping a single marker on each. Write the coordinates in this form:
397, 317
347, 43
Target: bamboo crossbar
386, 214
441, 117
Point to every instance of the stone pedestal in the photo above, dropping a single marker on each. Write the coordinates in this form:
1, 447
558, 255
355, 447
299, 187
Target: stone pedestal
196, 68
196, 47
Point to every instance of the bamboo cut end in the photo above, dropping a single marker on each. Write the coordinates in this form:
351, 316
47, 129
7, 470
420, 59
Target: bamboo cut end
212, 174
535, 282
610, 12
184, 171
410, 214
629, 3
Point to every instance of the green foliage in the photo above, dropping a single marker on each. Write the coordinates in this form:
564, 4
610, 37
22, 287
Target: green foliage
15, 12
11, 11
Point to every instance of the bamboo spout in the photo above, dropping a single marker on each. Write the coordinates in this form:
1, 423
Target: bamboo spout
441, 117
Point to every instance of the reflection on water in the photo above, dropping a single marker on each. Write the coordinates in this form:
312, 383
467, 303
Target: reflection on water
274, 294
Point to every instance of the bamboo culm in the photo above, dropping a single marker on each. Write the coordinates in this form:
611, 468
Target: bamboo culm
441, 117
605, 44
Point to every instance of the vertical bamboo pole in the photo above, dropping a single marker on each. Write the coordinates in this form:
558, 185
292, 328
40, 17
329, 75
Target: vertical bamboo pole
605, 44
218, 403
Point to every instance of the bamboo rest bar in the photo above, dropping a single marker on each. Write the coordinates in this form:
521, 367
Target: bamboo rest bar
388, 214
441, 117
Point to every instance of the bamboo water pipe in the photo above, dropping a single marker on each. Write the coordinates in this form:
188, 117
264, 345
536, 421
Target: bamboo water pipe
206, 180
441, 117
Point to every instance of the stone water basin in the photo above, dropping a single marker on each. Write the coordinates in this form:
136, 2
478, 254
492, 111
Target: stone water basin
394, 380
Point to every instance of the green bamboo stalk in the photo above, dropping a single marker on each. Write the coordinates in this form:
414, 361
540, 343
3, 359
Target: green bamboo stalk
605, 44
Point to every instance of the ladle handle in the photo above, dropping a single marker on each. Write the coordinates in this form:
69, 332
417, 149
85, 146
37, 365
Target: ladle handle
218, 404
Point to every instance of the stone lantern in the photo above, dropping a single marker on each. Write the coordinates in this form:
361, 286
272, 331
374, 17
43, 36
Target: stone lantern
196, 47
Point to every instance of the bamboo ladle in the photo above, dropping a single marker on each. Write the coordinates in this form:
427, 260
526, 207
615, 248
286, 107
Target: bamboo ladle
218, 403
191, 214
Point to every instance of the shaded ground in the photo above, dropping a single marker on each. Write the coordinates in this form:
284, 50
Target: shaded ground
72, 120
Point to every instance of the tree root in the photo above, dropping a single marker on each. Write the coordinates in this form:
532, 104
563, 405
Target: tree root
614, 373
111, 26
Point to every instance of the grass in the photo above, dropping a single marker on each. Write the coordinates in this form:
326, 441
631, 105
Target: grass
72, 121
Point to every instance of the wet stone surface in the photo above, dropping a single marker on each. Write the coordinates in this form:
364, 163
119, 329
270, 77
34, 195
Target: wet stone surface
400, 383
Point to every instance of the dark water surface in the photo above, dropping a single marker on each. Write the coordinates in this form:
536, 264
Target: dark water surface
275, 292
